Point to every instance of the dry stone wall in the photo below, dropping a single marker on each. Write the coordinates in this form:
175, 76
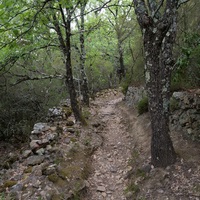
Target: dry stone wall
185, 110
186, 113
134, 95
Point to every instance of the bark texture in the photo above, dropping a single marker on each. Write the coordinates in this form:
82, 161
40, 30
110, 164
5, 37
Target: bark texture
65, 45
84, 80
159, 31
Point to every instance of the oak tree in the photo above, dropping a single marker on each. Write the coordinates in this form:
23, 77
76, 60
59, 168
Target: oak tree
158, 23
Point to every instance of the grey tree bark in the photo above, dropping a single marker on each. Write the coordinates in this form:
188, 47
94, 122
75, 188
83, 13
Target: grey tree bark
84, 80
65, 45
158, 21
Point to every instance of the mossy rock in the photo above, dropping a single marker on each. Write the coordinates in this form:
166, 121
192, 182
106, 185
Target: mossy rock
142, 106
57, 197
73, 139
174, 104
28, 170
67, 111
9, 183
70, 171
69, 123
53, 178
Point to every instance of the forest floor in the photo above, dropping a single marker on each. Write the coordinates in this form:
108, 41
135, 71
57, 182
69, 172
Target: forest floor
120, 167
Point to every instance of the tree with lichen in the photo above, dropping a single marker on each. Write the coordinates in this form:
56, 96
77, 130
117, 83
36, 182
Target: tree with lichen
158, 23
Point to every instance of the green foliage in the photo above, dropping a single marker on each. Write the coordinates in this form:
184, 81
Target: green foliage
142, 106
4, 196
187, 73
133, 188
174, 104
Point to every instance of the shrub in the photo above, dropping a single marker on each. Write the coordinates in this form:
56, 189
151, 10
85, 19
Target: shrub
142, 106
174, 105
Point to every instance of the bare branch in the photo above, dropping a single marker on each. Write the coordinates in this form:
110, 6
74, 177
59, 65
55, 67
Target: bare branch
180, 2
28, 78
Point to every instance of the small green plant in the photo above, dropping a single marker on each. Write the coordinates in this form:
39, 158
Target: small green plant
87, 141
2, 196
142, 106
134, 157
125, 86
141, 173
85, 113
132, 187
5, 197
174, 105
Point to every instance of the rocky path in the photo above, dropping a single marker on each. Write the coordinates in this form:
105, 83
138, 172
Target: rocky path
110, 161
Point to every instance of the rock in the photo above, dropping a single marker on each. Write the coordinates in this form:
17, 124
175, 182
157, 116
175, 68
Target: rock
129, 195
101, 189
71, 130
34, 144
16, 188
44, 142
104, 194
96, 124
37, 169
69, 123
34, 160
53, 128
51, 169
52, 136
146, 168
113, 169
96, 140
53, 177
40, 127
160, 191
40, 151
26, 153
67, 140
48, 147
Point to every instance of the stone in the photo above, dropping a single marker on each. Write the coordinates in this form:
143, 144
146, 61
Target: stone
53, 128
44, 142
67, 140
40, 127
146, 168
113, 169
160, 191
48, 147
26, 153
34, 160
52, 136
129, 195
104, 194
69, 123
17, 188
101, 189
40, 151
71, 130
96, 124
34, 144
51, 169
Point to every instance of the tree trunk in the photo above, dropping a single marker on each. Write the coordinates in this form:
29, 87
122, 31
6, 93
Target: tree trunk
69, 74
84, 80
121, 70
159, 31
158, 48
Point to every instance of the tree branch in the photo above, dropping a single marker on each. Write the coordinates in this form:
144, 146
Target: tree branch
180, 2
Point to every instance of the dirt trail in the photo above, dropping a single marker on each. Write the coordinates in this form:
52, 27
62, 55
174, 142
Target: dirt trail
111, 161
121, 166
